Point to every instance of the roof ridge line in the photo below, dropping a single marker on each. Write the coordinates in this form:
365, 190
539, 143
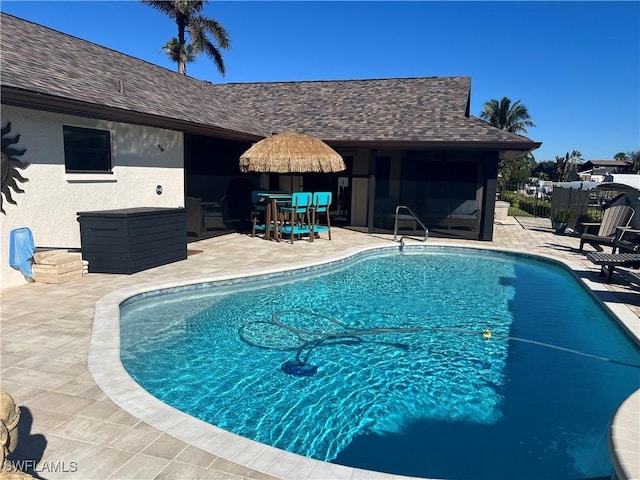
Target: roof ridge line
350, 80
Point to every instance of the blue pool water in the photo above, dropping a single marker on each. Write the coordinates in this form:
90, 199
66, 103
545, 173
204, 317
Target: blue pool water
405, 383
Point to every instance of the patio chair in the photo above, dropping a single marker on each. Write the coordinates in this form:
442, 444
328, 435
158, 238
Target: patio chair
258, 211
321, 204
213, 215
193, 206
627, 240
296, 217
616, 216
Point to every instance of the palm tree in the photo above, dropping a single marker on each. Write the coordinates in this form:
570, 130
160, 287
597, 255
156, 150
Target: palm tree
504, 115
510, 117
188, 18
635, 158
574, 157
566, 166
562, 169
520, 169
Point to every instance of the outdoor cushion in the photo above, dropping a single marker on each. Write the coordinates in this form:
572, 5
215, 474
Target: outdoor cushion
468, 208
438, 206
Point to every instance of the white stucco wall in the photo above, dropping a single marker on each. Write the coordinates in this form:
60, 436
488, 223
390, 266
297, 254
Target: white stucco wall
52, 198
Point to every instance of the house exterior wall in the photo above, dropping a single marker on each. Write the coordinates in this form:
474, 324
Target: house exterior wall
143, 158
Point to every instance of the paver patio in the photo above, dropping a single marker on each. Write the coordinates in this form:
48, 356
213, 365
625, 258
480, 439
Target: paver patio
74, 430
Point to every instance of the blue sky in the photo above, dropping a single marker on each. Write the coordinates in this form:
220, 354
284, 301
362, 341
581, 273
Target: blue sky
575, 65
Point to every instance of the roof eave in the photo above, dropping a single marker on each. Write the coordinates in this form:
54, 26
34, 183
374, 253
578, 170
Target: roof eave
40, 101
520, 147
29, 99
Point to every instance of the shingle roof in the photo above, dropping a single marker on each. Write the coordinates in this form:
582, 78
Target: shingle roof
608, 163
417, 111
604, 164
38, 59
425, 109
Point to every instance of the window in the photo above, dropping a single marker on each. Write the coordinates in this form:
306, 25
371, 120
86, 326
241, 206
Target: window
87, 150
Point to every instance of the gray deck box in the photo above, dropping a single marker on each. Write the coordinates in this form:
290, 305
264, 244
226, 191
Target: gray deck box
132, 239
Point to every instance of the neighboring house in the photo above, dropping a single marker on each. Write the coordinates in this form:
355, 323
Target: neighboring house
103, 130
603, 170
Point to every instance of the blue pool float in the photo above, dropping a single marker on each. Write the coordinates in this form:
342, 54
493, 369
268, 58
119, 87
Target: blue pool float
21, 250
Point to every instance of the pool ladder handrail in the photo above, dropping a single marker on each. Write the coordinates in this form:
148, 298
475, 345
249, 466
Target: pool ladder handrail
395, 226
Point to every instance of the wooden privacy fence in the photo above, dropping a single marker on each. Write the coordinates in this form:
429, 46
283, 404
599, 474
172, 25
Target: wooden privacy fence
580, 202
586, 205
570, 199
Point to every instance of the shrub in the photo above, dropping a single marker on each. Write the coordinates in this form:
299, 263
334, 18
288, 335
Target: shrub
531, 205
564, 215
592, 215
512, 198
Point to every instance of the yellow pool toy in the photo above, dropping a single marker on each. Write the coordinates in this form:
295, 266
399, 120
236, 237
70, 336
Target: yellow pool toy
486, 333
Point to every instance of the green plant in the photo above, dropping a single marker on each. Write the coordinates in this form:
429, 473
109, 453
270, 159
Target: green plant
511, 197
523, 205
593, 215
564, 215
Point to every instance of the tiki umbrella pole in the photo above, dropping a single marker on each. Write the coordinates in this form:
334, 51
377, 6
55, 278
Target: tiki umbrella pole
291, 182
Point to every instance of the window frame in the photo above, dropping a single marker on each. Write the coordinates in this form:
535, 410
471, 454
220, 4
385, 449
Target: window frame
105, 151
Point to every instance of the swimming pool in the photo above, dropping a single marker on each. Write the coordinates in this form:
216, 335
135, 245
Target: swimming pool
439, 401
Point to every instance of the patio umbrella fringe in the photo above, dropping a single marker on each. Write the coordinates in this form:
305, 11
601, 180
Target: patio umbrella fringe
291, 152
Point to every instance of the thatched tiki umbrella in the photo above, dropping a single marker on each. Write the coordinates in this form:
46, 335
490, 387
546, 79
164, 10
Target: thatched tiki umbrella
291, 153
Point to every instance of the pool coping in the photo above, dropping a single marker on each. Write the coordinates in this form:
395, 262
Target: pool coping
109, 374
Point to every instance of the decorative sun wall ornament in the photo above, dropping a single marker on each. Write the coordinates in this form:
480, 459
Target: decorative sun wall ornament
11, 165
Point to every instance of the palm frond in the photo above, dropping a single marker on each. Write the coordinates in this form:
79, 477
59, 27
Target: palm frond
186, 14
165, 7
216, 30
502, 114
178, 52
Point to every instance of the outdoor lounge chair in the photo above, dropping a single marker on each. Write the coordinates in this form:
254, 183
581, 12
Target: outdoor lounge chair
616, 216
627, 240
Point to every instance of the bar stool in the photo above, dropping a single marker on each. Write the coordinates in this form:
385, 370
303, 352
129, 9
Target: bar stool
297, 216
321, 204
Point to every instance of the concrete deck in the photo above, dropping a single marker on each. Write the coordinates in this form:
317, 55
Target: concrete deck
71, 428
